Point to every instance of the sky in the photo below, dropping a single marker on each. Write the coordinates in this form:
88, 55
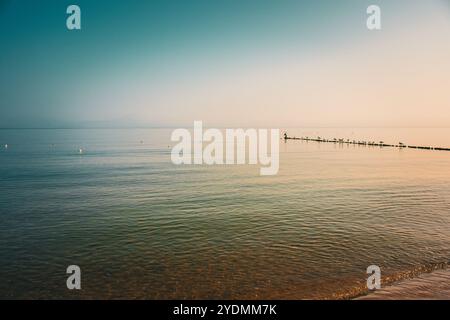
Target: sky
229, 63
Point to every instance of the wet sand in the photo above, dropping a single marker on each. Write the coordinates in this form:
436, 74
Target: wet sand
427, 286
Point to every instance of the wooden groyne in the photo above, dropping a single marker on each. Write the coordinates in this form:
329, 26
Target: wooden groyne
365, 143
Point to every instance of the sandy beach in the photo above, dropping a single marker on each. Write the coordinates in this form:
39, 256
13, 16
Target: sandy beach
427, 286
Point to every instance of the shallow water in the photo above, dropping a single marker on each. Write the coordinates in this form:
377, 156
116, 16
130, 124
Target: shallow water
140, 227
429, 286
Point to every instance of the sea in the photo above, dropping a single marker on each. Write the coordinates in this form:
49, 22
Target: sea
140, 227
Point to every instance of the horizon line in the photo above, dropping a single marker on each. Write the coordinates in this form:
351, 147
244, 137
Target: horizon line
220, 127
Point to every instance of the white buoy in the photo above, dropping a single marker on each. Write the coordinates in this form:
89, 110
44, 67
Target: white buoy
80, 151
6, 146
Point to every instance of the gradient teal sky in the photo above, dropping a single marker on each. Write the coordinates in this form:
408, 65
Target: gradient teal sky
229, 63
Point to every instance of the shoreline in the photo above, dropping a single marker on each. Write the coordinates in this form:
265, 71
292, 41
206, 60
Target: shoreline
434, 285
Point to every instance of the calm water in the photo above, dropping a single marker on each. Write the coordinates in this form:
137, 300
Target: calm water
140, 227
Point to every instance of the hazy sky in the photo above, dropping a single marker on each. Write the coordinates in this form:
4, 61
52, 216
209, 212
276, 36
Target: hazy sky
270, 63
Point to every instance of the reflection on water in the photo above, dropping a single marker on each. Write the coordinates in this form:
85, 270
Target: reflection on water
140, 227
